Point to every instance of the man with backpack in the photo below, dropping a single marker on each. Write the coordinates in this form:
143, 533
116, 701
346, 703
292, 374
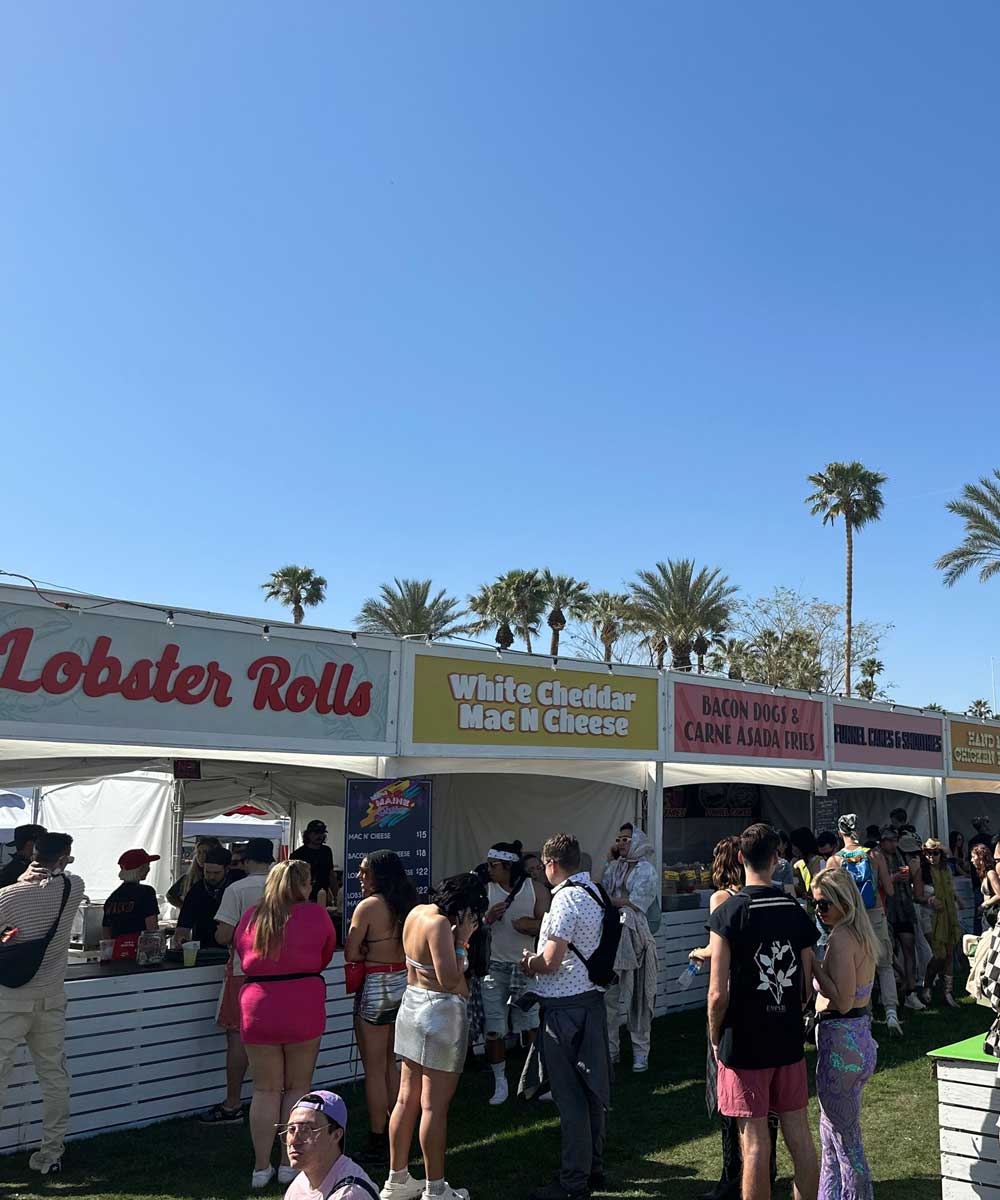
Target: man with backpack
570, 970
870, 872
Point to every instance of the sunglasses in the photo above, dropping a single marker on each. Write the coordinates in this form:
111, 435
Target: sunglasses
824, 905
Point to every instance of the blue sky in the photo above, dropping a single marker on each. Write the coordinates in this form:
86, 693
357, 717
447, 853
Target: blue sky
443, 290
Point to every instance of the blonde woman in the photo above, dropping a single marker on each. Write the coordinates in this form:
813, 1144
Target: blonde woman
846, 1051
195, 872
284, 944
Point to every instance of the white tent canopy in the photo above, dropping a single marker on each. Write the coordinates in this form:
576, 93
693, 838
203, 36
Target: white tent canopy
236, 827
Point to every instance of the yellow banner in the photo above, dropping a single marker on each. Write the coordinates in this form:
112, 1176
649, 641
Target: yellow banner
975, 748
458, 701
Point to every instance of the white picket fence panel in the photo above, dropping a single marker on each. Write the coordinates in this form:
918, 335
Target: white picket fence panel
968, 1108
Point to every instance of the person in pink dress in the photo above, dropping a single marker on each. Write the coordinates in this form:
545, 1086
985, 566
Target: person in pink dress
284, 944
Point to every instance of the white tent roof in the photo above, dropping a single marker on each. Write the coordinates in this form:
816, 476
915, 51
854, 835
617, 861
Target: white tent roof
236, 826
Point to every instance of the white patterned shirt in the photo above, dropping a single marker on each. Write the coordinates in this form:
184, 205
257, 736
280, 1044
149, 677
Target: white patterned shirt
574, 916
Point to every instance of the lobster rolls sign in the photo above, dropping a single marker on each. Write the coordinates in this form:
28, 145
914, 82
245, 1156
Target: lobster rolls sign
720, 722
91, 676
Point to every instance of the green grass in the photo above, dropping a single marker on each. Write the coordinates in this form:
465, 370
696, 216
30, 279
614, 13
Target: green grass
658, 1133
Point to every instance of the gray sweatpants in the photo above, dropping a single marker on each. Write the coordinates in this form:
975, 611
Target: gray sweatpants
886, 974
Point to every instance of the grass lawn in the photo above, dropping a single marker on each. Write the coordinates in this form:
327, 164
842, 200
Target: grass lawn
660, 1140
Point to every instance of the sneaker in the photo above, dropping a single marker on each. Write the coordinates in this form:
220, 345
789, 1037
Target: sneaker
925, 997
501, 1093
950, 1000
640, 1062
912, 1002
892, 1022
220, 1115
409, 1189
449, 1193
44, 1163
286, 1174
260, 1179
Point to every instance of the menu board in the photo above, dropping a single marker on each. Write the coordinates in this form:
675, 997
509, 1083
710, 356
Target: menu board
386, 814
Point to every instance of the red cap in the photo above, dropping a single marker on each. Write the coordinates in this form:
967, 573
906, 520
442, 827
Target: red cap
131, 860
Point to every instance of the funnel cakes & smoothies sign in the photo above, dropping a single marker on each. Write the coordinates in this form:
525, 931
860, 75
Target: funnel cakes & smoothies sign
115, 674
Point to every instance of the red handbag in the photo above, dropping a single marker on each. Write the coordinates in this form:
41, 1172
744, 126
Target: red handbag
354, 976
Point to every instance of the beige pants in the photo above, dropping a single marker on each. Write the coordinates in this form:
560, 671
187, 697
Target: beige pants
41, 1024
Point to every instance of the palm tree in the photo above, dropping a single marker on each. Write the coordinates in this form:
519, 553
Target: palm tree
528, 600
869, 668
674, 606
979, 508
565, 596
933, 708
610, 615
851, 491
406, 607
493, 608
298, 588
979, 708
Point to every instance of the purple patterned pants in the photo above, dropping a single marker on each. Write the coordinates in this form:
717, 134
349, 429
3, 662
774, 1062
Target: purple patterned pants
846, 1061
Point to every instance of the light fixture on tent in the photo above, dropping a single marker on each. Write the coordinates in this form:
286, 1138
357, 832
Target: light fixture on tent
354, 638
499, 654
266, 635
555, 663
611, 669
170, 618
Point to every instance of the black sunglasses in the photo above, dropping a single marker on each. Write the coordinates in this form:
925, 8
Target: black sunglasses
824, 905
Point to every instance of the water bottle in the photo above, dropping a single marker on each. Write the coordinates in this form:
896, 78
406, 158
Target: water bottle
687, 976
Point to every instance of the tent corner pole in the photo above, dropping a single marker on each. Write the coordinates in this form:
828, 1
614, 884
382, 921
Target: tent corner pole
656, 810
939, 809
177, 808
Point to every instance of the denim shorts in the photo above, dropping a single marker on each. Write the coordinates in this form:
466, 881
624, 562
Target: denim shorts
501, 987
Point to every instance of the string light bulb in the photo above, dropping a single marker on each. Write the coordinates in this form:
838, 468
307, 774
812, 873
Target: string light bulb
170, 618
611, 669
354, 638
555, 663
266, 634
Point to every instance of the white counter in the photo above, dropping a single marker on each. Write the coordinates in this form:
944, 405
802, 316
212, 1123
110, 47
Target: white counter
144, 1046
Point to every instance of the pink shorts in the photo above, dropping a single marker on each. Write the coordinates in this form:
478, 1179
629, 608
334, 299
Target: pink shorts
227, 1015
755, 1092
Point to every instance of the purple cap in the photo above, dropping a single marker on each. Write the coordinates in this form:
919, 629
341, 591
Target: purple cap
328, 1103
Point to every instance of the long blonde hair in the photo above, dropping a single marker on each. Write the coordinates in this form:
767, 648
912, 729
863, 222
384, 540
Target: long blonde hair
837, 886
284, 888
196, 872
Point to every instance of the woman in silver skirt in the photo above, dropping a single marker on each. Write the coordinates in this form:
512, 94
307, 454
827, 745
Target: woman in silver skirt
432, 1029
375, 938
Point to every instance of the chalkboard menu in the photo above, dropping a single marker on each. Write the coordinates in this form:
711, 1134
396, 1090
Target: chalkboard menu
386, 814
827, 813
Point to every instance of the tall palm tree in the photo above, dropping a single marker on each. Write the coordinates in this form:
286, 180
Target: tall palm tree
979, 508
528, 600
674, 605
609, 615
566, 597
933, 708
979, 708
869, 669
851, 491
406, 607
298, 588
493, 608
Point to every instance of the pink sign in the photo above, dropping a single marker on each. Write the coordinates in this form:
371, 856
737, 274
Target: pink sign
732, 723
874, 738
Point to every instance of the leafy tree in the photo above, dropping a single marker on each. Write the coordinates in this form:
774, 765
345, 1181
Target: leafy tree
869, 669
298, 588
406, 607
610, 616
851, 491
933, 708
528, 602
493, 608
979, 508
566, 597
979, 708
675, 606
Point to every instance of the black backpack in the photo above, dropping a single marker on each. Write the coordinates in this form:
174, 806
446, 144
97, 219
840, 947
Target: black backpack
601, 964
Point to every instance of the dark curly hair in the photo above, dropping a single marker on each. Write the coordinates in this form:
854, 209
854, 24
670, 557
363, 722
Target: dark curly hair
391, 882
727, 870
460, 892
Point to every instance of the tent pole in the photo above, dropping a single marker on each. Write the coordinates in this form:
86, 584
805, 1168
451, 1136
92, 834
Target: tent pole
36, 804
939, 810
293, 825
656, 812
177, 807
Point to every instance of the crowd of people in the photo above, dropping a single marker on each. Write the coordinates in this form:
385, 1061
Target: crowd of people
528, 947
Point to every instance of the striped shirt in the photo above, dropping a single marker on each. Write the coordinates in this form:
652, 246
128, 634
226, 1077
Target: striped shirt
31, 908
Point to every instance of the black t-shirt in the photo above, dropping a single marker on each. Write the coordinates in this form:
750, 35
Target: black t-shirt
320, 859
13, 870
767, 932
128, 906
199, 909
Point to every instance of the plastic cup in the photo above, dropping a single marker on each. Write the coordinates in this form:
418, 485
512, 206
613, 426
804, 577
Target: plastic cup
105, 950
190, 952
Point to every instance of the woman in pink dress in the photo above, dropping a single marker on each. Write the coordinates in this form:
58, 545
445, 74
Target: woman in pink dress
284, 944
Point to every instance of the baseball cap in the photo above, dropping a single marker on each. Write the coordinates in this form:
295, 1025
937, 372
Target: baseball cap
328, 1103
218, 856
131, 860
26, 833
316, 827
259, 850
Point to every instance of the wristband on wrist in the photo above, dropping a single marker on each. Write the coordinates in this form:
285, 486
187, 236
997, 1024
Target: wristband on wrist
460, 952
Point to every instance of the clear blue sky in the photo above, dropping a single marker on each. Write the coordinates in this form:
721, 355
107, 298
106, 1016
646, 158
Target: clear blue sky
444, 290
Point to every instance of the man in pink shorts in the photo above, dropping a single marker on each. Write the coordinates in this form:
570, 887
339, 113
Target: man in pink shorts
762, 955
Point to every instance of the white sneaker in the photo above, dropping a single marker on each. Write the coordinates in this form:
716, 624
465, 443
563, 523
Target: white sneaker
449, 1193
912, 1002
892, 1021
409, 1189
640, 1062
286, 1174
501, 1093
260, 1179
45, 1163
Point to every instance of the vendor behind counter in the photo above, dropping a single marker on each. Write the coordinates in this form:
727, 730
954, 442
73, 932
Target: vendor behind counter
197, 915
132, 907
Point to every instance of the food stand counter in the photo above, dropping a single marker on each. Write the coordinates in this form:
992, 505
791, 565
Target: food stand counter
968, 1109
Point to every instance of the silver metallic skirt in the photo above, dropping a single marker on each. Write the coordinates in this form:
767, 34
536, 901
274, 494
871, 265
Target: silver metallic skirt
432, 1029
378, 1000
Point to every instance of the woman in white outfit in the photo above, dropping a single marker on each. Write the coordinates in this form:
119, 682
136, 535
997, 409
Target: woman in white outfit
631, 882
517, 905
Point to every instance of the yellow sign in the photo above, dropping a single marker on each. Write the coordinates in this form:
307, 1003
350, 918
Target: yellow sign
975, 748
459, 701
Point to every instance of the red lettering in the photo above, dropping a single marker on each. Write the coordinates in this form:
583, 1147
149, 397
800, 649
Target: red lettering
324, 700
15, 645
62, 672
100, 662
300, 695
222, 681
137, 684
361, 701
187, 679
274, 672
340, 706
165, 667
